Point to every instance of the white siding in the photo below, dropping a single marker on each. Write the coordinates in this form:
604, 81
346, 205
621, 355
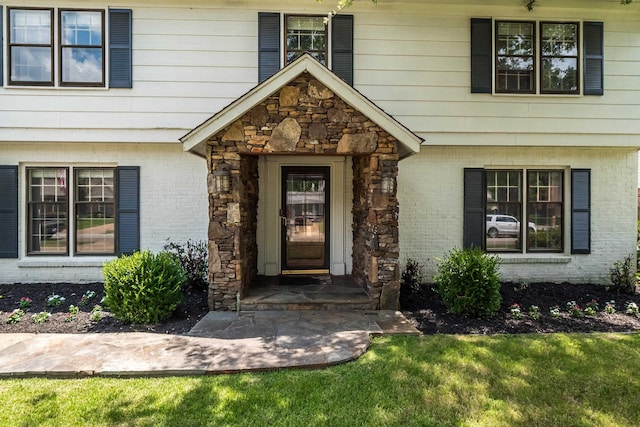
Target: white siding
431, 215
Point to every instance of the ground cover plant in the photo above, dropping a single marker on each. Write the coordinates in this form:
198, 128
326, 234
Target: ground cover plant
435, 380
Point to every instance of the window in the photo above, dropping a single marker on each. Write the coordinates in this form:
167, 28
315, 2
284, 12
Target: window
81, 47
76, 56
306, 34
524, 57
302, 34
31, 46
49, 227
504, 210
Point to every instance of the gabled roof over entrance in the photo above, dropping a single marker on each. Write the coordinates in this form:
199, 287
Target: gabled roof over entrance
196, 140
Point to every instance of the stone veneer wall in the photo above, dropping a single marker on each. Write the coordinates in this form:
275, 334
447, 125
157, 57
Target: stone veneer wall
303, 118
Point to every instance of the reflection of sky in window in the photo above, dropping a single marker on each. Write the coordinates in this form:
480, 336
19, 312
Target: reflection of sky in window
82, 65
82, 28
31, 64
30, 26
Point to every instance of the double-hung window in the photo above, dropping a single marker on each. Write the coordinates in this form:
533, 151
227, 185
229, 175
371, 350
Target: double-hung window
306, 34
531, 57
64, 212
67, 47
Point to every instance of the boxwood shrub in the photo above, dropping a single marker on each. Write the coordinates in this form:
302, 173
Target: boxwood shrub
143, 287
468, 282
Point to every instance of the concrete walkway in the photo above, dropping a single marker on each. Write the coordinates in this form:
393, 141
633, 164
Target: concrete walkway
222, 342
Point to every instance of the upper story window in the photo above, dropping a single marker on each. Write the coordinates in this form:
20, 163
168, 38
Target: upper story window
519, 59
81, 47
306, 34
67, 47
523, 57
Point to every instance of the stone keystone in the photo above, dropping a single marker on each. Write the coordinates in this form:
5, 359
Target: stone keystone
358, 143
285, 136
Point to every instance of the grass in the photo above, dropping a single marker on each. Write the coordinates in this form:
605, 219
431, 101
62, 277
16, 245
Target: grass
440, 380
83, 223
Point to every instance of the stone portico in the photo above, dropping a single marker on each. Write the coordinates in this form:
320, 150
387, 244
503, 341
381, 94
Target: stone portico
304, 110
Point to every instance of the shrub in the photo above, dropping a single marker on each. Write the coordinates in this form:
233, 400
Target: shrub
622, 276
411, 278
143, 287
468, 282
193, 257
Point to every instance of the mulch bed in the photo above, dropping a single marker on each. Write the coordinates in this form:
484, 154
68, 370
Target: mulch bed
424, 309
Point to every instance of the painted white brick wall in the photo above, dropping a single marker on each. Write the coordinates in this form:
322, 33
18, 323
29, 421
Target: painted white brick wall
173, 202
430, 191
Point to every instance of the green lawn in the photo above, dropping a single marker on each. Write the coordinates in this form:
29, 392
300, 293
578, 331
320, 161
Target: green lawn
441, 380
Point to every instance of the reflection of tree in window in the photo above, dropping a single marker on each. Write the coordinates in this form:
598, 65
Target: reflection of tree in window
559, 50
515, 46
306, 34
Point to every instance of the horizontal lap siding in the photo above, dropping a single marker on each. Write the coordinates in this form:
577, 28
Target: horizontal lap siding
412, 59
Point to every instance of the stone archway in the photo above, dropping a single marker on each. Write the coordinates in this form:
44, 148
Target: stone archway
304, 117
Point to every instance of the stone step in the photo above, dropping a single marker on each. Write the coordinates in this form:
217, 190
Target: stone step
300, 306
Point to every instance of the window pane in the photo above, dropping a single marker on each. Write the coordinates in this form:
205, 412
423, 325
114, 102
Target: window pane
30, 64
306, 34
559, 39
515, 63
82, 65
95, 211
559, 66
81, 28
30, 26
544, 210
560, 74
504, 209
47, 211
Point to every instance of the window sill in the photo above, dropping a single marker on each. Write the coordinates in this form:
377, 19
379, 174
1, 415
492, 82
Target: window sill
541, 259
90, 262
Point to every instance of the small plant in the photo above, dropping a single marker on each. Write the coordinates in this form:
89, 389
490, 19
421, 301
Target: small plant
88, 296
622, 277
41, 317
73, 312
574, 309
610, 307
96, 313
591, 308
143, 287
632, 309
468, 282
516, 313
534, 312
555, 311
55, 300
15, 316
25, 302
193, 257
411, 279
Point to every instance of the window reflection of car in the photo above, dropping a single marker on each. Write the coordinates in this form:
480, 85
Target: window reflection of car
505, 225
52, 226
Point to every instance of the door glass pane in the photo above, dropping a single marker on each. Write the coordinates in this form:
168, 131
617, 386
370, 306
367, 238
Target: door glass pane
305, 220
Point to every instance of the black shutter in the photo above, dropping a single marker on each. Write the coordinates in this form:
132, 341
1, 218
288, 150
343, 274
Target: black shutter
268, 45
593, 58
342, 47
580, 211
474, 212
1, 44
120, 47
8, 212
481, 53
128, 216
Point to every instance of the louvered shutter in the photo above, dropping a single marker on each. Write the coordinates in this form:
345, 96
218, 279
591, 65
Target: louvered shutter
128, 215
593, 58
268, 45
1, 46
120, 48
474, 212
580, 211
8, 212
481, 53
342, 47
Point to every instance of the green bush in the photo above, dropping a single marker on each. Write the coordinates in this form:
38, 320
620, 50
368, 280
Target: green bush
193, 256
143, 287
468, 282
411, 278
622, 277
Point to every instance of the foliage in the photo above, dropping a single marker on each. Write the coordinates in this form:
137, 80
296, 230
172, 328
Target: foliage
632, 309
412, 278
555, 311
545, 239
610, 307
468, 282
88, 296
622, 276
516, 312
55, 300
41, 317
143, 287
193, 256
73, 312
25, 302
534, 312
96, 313
15, 316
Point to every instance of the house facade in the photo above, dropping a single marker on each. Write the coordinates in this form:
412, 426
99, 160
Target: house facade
393, 131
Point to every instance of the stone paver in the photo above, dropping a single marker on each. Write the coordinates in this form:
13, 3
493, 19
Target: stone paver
222, 342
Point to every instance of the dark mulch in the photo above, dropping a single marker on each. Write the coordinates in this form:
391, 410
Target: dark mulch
426, 311
423, 309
